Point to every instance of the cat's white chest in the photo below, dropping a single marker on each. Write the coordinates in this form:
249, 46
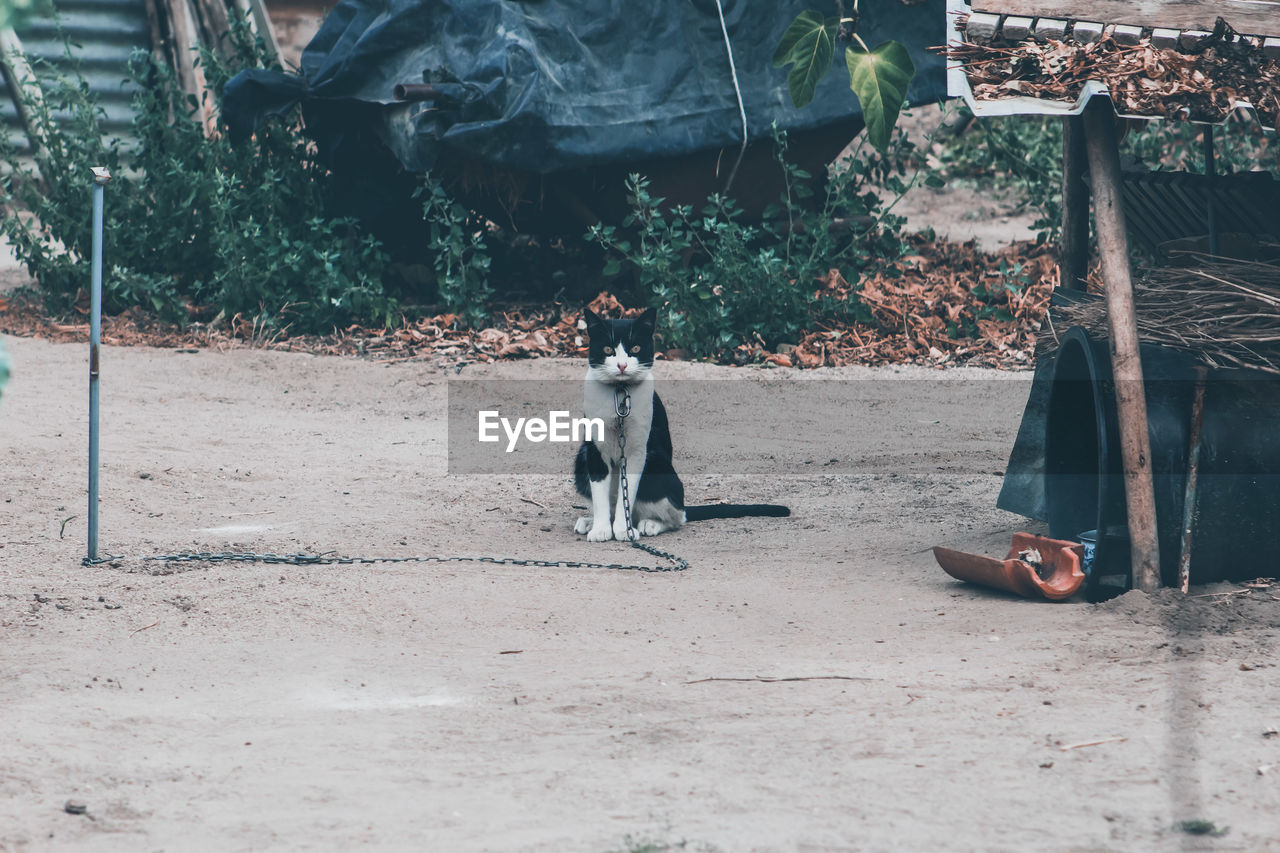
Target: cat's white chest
601, 400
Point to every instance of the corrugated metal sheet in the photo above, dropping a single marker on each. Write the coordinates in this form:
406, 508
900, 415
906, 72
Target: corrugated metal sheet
102, 34
1163, 206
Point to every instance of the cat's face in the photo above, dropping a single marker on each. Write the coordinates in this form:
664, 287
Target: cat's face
620, 352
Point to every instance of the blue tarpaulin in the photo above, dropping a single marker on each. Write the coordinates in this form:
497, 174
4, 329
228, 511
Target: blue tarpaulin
546, 85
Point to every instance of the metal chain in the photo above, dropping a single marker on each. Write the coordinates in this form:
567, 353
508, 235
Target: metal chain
328, 559
622, 405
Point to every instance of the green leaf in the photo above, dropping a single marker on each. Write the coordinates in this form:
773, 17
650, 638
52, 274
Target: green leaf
880, 79
807, 46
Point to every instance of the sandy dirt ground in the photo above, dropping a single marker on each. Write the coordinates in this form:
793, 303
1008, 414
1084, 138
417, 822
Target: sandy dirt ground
959, 211
811, 684
466, 706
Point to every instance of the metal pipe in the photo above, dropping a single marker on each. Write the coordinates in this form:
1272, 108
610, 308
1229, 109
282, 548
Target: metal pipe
1191, 493
100, 178
415, 92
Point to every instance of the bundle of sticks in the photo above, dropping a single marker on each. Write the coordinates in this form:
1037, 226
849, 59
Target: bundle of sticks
1204, 84
1225, 312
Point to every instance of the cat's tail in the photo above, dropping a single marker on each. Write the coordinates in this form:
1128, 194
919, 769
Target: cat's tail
706, 511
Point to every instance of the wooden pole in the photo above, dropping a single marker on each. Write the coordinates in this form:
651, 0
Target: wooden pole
1210, 173
159, 44
214, 25
1073, 247
1126, 364
255, 11
186, 34
24, 88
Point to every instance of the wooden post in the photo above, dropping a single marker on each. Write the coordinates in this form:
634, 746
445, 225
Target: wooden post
1210, 173
255, 11
214, 25
1126, 364
24, 88
1073, 247
186, 36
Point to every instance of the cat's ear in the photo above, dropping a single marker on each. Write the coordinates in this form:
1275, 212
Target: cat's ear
649, 318
592, 318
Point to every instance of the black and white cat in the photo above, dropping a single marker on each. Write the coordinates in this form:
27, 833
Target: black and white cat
621, 354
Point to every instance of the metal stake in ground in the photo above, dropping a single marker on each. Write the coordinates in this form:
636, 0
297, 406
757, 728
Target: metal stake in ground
100, 178
1191, 493
1126, 364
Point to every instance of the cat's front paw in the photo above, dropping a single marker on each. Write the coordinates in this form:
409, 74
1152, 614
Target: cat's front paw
600, 533
651, 527
583, 525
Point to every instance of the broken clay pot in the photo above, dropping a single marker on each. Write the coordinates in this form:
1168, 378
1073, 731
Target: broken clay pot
1059, 577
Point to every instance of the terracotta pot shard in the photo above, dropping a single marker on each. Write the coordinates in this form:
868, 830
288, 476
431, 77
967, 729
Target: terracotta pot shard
1058, 577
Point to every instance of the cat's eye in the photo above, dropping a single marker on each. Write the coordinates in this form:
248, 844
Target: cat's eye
608, 350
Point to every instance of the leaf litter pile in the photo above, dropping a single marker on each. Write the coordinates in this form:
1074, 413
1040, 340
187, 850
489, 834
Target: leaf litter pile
947, 303
1203, 83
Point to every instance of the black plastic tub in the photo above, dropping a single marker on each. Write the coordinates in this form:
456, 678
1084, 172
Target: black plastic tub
1238, 504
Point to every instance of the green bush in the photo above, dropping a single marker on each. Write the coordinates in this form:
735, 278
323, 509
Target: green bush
189, 220
459, 254
1240, 144
721, 282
